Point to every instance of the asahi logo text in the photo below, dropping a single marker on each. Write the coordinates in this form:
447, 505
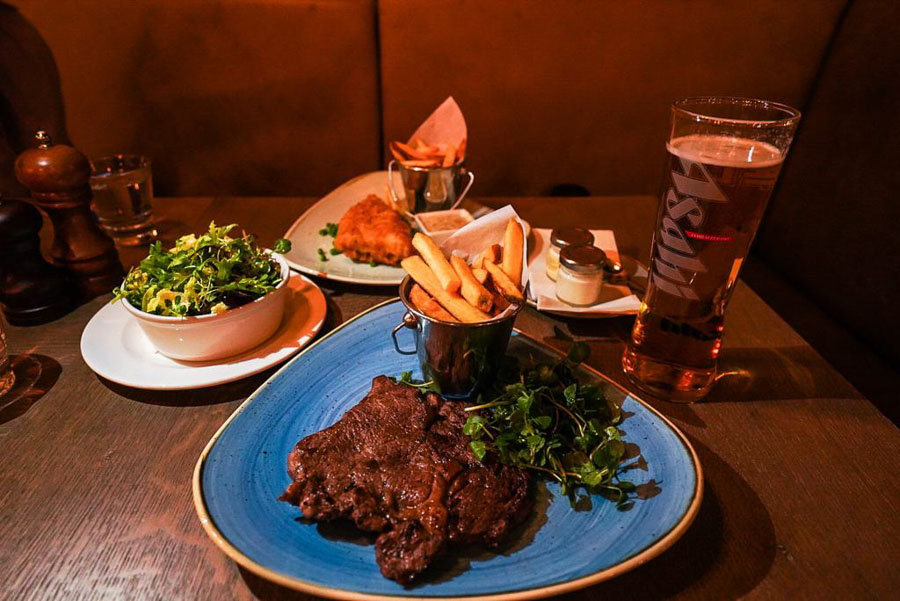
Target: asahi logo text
675, 263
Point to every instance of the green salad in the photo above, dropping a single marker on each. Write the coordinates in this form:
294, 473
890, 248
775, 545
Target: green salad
206, 274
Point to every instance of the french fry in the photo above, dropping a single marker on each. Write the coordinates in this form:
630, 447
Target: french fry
449, 156
420, 154
503, 284
470, 288
500, 302
419, 163
436, 261
491, 253
513, 249
428, 305
480, 275
456, 305
398, 154
410, 151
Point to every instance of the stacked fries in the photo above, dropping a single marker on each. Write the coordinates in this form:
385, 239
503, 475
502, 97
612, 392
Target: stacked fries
458, 292
419, 154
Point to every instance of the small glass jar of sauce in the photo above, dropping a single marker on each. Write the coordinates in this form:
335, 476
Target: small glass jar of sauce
559, 239
579, 281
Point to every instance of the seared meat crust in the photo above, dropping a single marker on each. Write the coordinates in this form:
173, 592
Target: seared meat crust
398, 464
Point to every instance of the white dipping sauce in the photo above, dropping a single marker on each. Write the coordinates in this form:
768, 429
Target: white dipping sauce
579, 280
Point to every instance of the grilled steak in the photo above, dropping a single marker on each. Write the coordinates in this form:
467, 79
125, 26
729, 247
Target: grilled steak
399, 464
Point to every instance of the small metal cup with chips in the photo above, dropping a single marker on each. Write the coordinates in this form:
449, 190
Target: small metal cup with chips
461, 358
434, 177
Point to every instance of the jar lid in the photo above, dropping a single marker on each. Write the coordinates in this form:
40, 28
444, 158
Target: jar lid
571, 236
583, 258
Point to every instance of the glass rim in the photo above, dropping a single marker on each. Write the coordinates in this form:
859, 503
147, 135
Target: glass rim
104, 164
792, 114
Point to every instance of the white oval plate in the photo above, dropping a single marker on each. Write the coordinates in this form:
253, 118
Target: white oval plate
114, 346
305, 238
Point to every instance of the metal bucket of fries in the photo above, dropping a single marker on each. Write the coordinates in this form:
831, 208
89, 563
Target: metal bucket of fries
434, 176
430, 188
461, 358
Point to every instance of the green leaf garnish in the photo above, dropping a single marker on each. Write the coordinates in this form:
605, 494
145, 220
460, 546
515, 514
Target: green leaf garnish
543, 419
322, 255
282, 245
330, 229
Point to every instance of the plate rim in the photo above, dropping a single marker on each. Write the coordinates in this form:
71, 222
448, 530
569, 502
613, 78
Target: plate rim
219, 381
642, 557
321, 274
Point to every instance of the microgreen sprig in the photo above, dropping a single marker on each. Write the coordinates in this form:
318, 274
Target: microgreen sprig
543, 419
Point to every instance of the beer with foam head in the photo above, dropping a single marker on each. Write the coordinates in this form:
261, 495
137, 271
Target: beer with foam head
716, 187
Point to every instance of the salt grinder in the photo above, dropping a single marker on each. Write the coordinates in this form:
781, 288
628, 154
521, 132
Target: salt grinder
59, 180
32, 291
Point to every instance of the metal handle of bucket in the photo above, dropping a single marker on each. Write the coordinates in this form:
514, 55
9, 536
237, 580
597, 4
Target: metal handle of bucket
409, 321
394, 196
462, 194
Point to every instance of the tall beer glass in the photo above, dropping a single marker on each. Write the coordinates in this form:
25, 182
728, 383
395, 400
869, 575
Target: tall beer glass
724, 155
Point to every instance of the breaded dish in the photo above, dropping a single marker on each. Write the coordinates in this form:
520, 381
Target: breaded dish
371, 231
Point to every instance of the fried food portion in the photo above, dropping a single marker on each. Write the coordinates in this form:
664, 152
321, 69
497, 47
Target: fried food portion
373, 232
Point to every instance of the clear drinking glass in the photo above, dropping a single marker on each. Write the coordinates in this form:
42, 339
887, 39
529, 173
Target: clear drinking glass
724, 156
7, 377
122, 185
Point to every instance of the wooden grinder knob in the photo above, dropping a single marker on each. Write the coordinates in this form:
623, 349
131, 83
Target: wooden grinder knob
59, 180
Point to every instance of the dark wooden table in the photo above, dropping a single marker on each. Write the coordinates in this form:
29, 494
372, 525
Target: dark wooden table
802, 498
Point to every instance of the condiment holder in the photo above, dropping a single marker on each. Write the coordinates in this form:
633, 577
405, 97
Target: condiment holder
58, 178
579, 281
559, 239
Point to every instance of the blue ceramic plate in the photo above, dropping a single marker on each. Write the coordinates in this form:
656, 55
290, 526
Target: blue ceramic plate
242, 471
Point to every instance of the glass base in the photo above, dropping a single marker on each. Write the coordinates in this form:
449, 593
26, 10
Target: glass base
667, 381
7, 380
131, 236
142, 239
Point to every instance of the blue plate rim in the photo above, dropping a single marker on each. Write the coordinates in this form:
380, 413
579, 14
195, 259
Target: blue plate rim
652, 551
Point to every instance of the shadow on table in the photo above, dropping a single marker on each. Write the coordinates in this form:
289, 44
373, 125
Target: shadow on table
35, 376
745, 374
703, 560
196, 397
755, 374
269, 591
761, 375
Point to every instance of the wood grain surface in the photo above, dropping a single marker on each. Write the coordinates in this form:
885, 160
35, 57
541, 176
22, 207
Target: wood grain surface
95, 499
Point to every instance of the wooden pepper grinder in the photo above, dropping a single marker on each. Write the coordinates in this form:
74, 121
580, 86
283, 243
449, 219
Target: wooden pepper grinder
32, 291
59, 180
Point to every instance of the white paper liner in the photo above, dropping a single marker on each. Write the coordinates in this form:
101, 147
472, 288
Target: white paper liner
473, 238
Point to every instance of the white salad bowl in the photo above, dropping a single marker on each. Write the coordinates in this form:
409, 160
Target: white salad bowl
210, 337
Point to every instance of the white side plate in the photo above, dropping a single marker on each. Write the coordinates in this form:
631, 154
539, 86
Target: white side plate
114, 346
